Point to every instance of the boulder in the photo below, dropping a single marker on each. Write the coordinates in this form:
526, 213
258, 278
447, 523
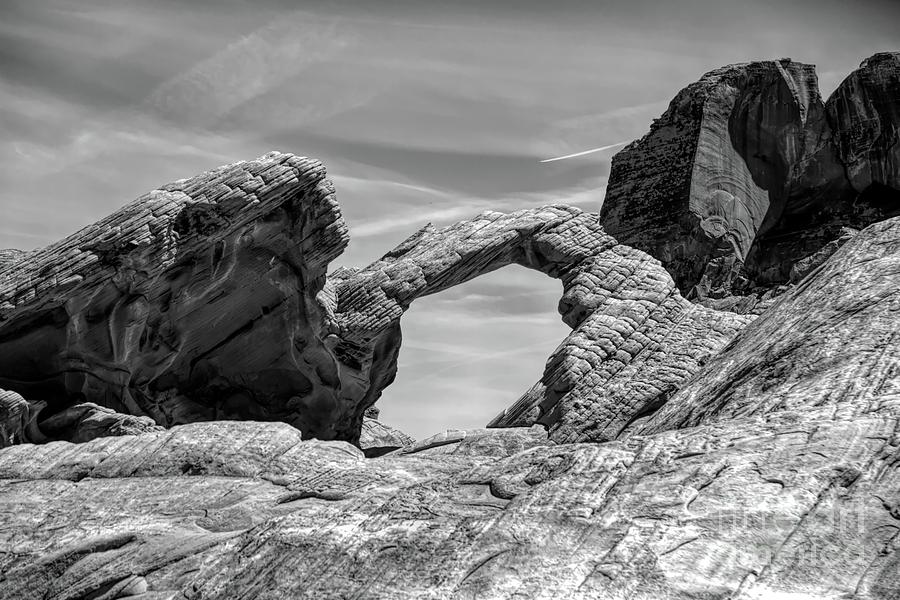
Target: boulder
376, 438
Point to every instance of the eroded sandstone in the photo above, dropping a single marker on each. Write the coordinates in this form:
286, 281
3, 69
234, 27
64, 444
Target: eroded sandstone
833, 341
200, 300
759, 174
634, 338
790, 502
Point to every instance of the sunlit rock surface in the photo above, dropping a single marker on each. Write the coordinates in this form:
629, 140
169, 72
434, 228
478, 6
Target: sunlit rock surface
778, 479
377, 438
634, 338
833, 341
789, 502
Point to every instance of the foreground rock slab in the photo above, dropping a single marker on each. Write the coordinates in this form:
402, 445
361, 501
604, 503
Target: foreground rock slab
791, 502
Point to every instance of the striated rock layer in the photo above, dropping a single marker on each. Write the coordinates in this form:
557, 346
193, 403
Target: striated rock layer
198, 301
634, 338
758, 172
791, 503
207, 300
838, 331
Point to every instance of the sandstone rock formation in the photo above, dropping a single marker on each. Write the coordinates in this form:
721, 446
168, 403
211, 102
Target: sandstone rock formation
838, 331
791, 503
670, 450
634, 338
773, 473
155, 317
865, 112
760, 173
86, 421
201, 300
18, 419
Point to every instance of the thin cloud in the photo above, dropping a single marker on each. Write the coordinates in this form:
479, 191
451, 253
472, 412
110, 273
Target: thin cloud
586, 152
253, 66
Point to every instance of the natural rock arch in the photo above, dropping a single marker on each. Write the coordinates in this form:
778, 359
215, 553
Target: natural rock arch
634, 337
208, 299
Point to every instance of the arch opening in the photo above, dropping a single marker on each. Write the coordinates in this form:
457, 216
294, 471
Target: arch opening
470, 351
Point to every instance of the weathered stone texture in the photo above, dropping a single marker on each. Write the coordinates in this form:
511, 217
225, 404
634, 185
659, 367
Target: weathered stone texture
200, 300
208, 300
792, 502
695, 191
17, 419
670, 450
376, 438
833, 341
634, 337
865, 111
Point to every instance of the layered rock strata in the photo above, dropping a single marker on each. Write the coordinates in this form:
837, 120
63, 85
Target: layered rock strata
839, 330
18, 419
200, 300
792, 503
634, 338
207, 300
759, 173
772, 473
376, 438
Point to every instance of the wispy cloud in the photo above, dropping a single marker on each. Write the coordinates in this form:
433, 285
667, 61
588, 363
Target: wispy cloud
253, 66
586, 152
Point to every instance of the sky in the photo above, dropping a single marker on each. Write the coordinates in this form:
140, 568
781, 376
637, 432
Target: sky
422, 111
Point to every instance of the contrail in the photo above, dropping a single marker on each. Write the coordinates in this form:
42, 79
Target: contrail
600, 149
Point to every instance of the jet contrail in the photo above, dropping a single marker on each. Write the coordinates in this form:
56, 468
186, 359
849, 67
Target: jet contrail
600, 149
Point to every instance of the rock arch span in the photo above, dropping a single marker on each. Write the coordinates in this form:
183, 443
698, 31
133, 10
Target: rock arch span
208, 299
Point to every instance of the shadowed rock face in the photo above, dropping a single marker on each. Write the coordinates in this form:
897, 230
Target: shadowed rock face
865, 112
182, 314
199, 301
773, 473
717, 159
758, 173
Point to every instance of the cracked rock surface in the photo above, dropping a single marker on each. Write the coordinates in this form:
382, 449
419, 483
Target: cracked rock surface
200, 300
785, 502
